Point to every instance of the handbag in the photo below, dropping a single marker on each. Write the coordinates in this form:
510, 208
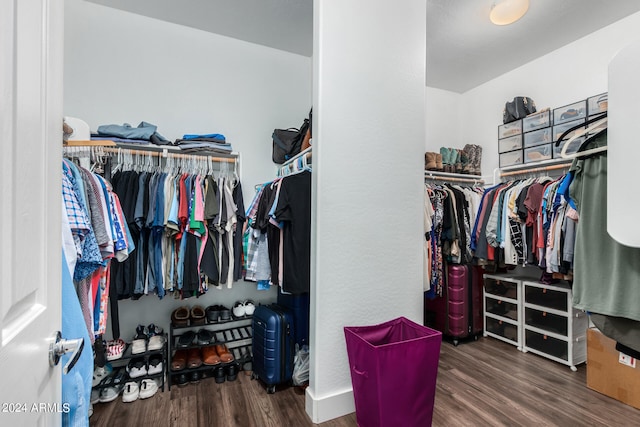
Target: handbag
287, 142
520, 107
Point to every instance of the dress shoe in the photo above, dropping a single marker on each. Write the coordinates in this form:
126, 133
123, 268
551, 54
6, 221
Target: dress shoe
197, 315
204, 337
224, 353
194, 378
210, 355
225, 313
182, 380
186, 340
213, 313
180, 316
219, 374
232, 372
194, 359
179, 360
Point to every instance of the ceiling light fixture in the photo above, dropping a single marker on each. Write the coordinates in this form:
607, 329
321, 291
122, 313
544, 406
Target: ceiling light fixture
505, 12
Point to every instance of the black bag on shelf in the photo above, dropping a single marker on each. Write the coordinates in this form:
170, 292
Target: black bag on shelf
287, 142
520, 107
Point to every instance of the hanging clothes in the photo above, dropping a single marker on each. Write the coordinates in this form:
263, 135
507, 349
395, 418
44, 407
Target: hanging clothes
606, 272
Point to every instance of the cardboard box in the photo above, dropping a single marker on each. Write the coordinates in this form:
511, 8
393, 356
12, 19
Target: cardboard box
611, 372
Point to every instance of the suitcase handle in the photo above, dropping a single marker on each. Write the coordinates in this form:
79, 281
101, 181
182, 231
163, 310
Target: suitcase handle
361, 373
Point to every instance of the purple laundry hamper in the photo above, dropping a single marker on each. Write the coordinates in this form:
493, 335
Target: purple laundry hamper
394, 366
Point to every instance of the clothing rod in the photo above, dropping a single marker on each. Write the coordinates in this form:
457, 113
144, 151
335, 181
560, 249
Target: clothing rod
169, 154
297, 156
444, 176
536, 169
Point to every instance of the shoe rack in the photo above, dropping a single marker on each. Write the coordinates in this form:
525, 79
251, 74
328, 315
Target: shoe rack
235, 333
119, 376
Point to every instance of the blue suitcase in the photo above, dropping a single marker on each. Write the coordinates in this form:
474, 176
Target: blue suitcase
273, 345
299, 305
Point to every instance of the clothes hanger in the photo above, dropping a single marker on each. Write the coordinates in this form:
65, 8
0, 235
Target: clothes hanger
597, 123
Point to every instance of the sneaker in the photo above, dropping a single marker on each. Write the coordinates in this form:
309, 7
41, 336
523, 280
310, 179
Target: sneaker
130, 392
115, 349
155, 365
156, 337
139, 343
239, 309
148, 388
110, 394
100, 373
137, 367
249, 307
95, 396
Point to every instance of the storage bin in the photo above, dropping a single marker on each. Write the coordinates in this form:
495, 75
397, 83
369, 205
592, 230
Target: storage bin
572, 148
598, 104
536, 154
510, 144
559, 130
546, 297
536, 121
542, 136
547, 344
511, 158
394, 367
503, 329
571, 112
501, 308
500, 287
547, 321
510, 129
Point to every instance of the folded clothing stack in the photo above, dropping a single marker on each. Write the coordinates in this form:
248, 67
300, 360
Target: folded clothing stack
145, 133
212, 142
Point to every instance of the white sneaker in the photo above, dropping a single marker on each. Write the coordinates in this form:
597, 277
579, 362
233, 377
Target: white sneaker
131, 392
155, 365
100, 373
110, 394
137, 368
156, 342
148, 388
95, 396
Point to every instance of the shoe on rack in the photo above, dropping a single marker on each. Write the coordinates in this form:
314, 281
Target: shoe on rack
148, 388
239, 309
130, 392
186, 340
156, 338
232, 371
194, 359
180, 316
139, 342
109, 394
137, 367
249, 307
219, 374
213, 313
95, 396
100, 373
224, 353
195, 377
225, 313
204, 337
210, 355
179, 360
155, 365
198, 315
115, 349
182, 380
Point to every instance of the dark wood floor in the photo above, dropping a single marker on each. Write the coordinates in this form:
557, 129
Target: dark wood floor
482, 383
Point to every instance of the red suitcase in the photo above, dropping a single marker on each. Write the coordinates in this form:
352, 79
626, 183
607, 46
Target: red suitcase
458, 313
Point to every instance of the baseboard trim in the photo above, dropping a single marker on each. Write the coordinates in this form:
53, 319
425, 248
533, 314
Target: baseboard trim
329, 407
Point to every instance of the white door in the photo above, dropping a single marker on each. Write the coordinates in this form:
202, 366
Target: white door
31, 44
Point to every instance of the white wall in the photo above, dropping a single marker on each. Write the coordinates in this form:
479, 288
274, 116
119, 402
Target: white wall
121, 67
368, 181
571, 73
443, 120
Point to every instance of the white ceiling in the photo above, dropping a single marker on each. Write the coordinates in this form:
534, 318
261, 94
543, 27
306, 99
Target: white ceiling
464, 49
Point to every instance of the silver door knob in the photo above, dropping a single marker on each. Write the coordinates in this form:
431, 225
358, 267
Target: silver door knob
60, 346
